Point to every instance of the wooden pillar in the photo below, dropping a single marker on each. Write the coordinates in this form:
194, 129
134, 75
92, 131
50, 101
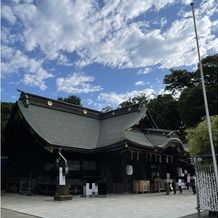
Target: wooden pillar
124, 176
141, 167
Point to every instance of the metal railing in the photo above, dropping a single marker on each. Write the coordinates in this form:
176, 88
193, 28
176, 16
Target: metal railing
27, 185
24, 185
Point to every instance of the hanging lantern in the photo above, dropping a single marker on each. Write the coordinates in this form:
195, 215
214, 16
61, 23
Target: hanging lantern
129, 170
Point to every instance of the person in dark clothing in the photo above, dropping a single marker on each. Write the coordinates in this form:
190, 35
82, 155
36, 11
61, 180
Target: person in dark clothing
192, 183
174, 186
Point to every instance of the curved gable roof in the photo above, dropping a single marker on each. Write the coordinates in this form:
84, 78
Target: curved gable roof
113, 130
74, 127
66, 125
60, 128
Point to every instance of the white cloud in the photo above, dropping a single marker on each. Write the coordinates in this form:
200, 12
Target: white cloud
7, 37
77, 83
25, 12
8, 14
186, 2
113, 33
15, 62
175, 95
146, 70
209, 8
163, 21
97, 105
162, 3
37, 79
114, 99
63, 60
109, 34
139, 83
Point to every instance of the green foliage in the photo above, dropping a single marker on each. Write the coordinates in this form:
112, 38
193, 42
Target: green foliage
210, 69
198, 137
140, 99
72, 99
6, 109
191, 104
125, 104
179, 79
106, 109
164, 111
189, 109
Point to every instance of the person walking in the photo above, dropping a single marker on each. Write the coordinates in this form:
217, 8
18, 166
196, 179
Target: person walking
180, 185
174, 185
193, 183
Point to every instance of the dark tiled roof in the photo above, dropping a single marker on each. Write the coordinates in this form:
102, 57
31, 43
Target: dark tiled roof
62, 128
138, 137
113, 130
65, 125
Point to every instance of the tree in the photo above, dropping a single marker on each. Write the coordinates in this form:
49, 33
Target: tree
179, 80
198, 137
106, 109
191, 102
72, 99
140, 99
125, 103
164, 111
6, 109
210, 69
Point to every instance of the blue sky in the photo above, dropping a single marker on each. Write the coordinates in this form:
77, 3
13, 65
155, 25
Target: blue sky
105, 52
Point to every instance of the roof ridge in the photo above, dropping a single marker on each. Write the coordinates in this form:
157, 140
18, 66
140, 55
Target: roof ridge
55, 100
50, 102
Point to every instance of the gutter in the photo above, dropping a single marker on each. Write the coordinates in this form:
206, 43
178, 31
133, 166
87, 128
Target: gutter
65, 161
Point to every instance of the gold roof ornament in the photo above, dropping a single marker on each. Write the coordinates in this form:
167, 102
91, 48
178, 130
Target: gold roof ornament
50, 149
50, 103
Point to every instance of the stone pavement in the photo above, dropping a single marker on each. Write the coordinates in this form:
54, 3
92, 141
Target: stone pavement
13, 214
148, 205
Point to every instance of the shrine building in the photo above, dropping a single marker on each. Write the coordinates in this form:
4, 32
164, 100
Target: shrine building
115, 149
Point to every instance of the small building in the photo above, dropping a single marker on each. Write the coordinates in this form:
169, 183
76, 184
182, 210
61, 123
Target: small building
113, 149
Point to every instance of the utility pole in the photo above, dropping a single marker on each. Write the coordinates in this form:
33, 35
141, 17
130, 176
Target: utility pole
205, 101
